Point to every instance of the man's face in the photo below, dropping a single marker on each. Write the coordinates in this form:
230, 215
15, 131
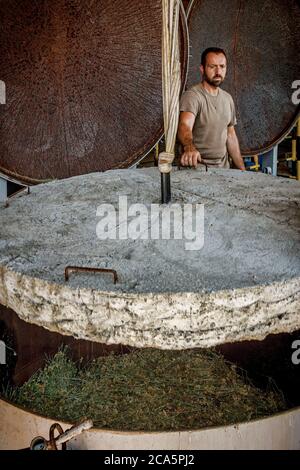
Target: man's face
215, 69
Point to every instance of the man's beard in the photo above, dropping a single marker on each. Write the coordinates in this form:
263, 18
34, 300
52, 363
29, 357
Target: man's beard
216, 81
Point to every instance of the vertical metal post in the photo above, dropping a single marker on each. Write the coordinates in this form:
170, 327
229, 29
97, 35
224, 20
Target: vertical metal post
269, 161
165, 188
298, 151
3, 190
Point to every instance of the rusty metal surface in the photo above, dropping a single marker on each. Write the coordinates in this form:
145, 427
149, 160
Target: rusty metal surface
83, 84
268, 363
32, 343
261, 359
261, 39
186, 3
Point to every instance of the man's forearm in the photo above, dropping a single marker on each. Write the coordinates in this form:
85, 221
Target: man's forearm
185, 135
234, 151
191, 156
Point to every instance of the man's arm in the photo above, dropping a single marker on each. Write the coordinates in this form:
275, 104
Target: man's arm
234, 148
190, 156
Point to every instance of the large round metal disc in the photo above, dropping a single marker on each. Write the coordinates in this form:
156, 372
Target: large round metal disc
83, 85
261, 39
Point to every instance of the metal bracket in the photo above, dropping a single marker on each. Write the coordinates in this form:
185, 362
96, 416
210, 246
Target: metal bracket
269, 161
3, 190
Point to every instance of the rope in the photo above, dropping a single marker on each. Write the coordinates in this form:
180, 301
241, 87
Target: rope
170, 80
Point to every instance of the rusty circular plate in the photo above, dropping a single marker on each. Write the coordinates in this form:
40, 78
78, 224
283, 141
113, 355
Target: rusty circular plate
261, 39
83, 85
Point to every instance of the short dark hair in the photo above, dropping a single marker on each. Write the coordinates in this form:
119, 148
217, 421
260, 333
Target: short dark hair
215, 50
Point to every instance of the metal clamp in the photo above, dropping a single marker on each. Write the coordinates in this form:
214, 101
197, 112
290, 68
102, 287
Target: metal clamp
40, 443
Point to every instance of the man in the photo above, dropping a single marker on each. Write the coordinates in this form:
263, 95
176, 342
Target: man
207, 117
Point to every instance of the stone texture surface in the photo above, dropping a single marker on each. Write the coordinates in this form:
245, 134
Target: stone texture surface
244, 283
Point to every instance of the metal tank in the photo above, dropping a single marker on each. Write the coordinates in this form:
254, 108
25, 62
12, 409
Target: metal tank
56, 134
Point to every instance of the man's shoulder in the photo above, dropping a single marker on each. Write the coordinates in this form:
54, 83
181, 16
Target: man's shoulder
195, 89
194, 92
226, 95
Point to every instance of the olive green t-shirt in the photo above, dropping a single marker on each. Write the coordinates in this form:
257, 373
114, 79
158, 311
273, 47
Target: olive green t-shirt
213, 116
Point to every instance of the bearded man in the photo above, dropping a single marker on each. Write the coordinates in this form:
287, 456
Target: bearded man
207, 117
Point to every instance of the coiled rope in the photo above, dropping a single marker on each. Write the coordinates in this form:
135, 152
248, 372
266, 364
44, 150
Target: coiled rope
170, 81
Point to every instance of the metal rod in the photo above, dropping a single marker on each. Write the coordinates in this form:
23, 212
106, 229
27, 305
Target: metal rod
74, 431
298, 140
40, 443
297, 152
165, 188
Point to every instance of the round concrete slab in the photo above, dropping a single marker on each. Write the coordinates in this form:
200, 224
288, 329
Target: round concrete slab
244, 283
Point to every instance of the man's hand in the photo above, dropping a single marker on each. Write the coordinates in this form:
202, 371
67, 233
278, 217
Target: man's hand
191, 156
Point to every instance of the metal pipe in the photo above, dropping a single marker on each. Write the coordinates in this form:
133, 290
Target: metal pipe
298, 140
165, 188
294, 145
298, 151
